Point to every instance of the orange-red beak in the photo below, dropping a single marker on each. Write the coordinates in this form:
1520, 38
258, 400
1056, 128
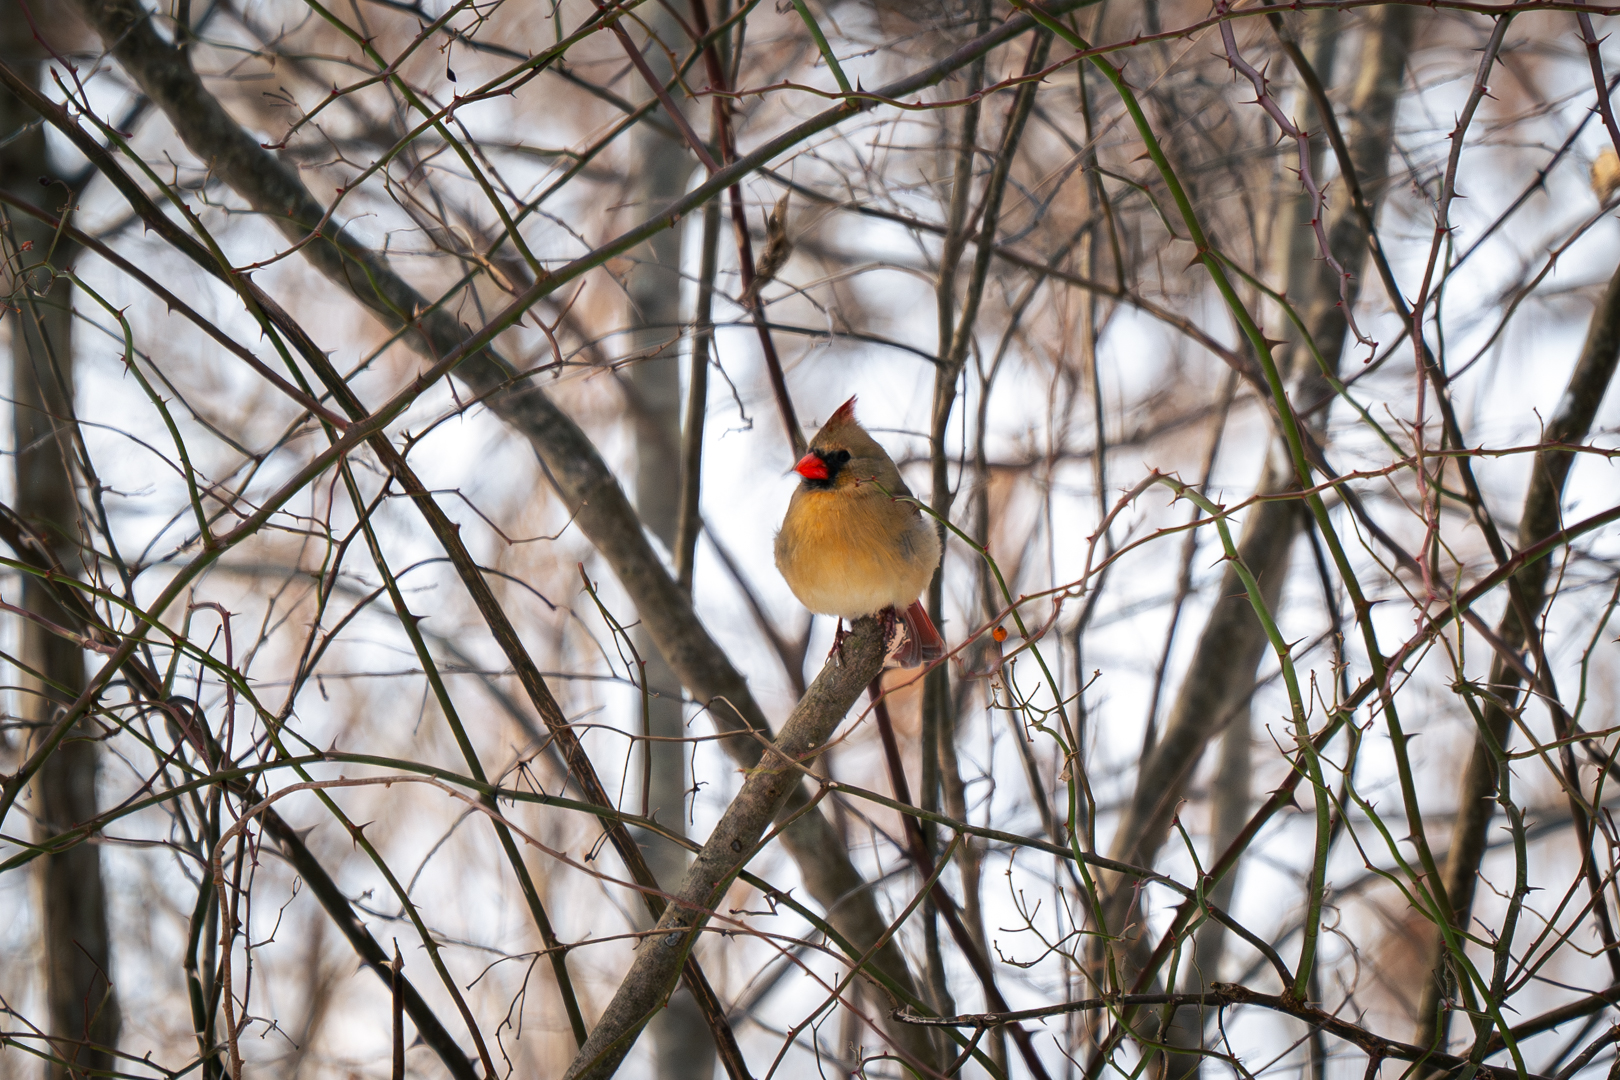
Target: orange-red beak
811, 467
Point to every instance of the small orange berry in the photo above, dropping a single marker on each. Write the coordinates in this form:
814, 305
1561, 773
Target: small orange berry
1000, 634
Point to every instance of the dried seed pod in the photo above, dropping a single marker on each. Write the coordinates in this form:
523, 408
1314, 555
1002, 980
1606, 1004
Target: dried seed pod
775, 254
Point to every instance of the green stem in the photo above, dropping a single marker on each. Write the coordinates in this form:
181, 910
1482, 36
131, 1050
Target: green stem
195, 497
821, 43
1315, 890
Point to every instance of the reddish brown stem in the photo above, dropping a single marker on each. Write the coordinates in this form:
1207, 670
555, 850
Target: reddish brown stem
725, 145
1599, 80
924, 860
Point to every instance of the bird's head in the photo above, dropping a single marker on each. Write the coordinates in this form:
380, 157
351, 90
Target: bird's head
843, 455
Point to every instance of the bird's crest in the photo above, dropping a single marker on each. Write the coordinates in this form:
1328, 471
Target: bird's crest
844, 414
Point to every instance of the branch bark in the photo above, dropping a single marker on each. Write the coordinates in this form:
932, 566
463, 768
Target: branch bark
733, 842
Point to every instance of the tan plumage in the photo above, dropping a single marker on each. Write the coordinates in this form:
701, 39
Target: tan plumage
848, 549
1606, 174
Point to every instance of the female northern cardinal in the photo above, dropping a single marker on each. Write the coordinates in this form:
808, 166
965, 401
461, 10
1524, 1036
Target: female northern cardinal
851, 547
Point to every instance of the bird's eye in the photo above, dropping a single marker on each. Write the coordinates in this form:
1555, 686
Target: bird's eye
838, 457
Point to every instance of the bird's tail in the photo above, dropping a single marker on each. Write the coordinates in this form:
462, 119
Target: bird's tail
923, 645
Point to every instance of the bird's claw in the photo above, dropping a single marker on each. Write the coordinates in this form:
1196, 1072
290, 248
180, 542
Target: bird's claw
836, 653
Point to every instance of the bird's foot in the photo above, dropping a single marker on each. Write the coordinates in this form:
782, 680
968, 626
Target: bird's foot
836, 653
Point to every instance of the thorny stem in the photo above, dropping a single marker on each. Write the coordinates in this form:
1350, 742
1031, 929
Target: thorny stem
1307, 176
1315, 889
1599, 82
409, 623
926, 865
1442, 229
207, 767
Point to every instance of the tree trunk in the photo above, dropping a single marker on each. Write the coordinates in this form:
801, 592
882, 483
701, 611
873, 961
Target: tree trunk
84, 1014
1476, 794
682, 1045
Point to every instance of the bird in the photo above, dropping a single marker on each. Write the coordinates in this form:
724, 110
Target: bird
853, 544
1606, 174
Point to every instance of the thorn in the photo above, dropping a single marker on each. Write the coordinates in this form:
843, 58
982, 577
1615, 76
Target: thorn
1292, 802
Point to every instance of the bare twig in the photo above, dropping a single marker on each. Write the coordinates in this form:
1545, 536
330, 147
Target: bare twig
1307, 175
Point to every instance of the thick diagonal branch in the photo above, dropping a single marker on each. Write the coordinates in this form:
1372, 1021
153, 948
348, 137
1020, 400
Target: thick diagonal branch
734, 840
